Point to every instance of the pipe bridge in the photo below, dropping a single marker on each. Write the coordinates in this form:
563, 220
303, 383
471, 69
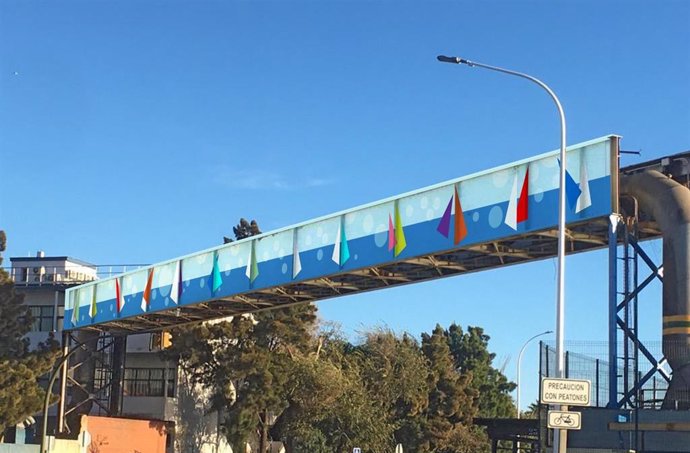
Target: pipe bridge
499, 217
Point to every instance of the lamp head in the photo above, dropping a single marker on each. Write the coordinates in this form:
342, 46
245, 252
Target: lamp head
454, 60
445, 59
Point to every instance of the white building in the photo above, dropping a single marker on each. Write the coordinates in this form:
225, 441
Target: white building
151, 387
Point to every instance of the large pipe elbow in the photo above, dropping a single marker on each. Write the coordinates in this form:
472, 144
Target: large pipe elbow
669, 203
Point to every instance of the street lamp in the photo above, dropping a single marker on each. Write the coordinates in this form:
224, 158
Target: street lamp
519, 363
560, 287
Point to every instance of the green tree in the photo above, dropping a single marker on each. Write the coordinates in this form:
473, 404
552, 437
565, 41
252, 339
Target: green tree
346, 396
451, 399
247, 362
532, 411
20, 368
471, 354
328, 409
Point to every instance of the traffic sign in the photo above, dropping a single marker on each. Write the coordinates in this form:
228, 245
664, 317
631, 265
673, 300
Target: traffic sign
568, 392
564, 420
356, 450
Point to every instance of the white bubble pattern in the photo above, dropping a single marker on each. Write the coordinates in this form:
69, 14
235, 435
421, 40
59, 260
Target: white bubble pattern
368, 223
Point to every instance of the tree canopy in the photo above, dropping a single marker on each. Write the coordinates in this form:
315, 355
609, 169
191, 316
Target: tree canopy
273, 375
278, 375
20, 368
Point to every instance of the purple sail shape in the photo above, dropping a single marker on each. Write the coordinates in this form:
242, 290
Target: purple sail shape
444, 224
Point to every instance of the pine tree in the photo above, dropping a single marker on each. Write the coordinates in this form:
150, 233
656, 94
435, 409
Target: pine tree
471, 354
451, 401
20, 394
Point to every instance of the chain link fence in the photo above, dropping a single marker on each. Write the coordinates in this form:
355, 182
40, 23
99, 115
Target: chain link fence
589, 360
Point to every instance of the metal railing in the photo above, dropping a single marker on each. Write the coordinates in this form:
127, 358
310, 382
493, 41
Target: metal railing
36, 275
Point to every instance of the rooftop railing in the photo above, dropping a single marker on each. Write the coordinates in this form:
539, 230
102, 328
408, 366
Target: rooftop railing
35, 275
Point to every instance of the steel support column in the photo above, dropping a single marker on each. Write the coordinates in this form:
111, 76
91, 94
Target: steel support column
623, 316
614, 221
118, 366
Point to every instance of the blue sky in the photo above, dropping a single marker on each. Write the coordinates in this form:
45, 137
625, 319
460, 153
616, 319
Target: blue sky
133, 132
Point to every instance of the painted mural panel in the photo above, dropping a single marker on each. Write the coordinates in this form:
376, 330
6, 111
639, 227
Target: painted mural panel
511, 200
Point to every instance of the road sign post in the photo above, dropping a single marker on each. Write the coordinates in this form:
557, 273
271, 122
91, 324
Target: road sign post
567, 392
564, 393
564, 420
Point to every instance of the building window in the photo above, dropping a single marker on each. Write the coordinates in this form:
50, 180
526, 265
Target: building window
42, 316
149, 382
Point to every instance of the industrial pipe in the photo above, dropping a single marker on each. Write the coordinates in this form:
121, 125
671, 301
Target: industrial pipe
669, 204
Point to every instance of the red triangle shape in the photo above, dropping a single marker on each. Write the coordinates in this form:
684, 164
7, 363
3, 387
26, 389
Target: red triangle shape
522, 202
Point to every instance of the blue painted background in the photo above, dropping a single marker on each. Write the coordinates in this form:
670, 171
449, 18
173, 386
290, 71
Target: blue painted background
484, 197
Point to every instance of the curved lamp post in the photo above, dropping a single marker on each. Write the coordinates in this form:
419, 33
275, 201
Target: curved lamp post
46, 402
519, 363
560, 291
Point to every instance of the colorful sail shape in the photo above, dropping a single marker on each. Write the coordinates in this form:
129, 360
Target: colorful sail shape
252, 270
216, 278
335, 256
511, 211
572, 191
119, 296
177, 279
341, 251
444, 224
296, 262
93, 309
391, 233
523, 202
460, 230
585, 199
146, 296
75, 307
400, 242
517, 206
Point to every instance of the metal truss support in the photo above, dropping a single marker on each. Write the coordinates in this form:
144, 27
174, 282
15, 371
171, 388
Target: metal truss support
91, 382
117, 376
624, 358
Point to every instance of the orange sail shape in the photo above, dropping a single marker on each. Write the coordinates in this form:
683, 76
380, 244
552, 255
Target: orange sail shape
146, 297
460, 229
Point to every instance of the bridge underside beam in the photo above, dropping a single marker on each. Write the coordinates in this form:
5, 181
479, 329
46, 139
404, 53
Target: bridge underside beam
539, 245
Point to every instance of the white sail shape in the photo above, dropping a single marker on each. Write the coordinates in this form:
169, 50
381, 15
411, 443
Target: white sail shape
585, 199
296, 262
75, 306
175, 289
248, 271
511, 214
336, 249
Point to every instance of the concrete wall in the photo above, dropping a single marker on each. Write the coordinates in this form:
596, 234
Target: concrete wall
595, 431
58, 446
196, 430
138, 343
16, 448
67, 446
43, 296
156, 407
121, 435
